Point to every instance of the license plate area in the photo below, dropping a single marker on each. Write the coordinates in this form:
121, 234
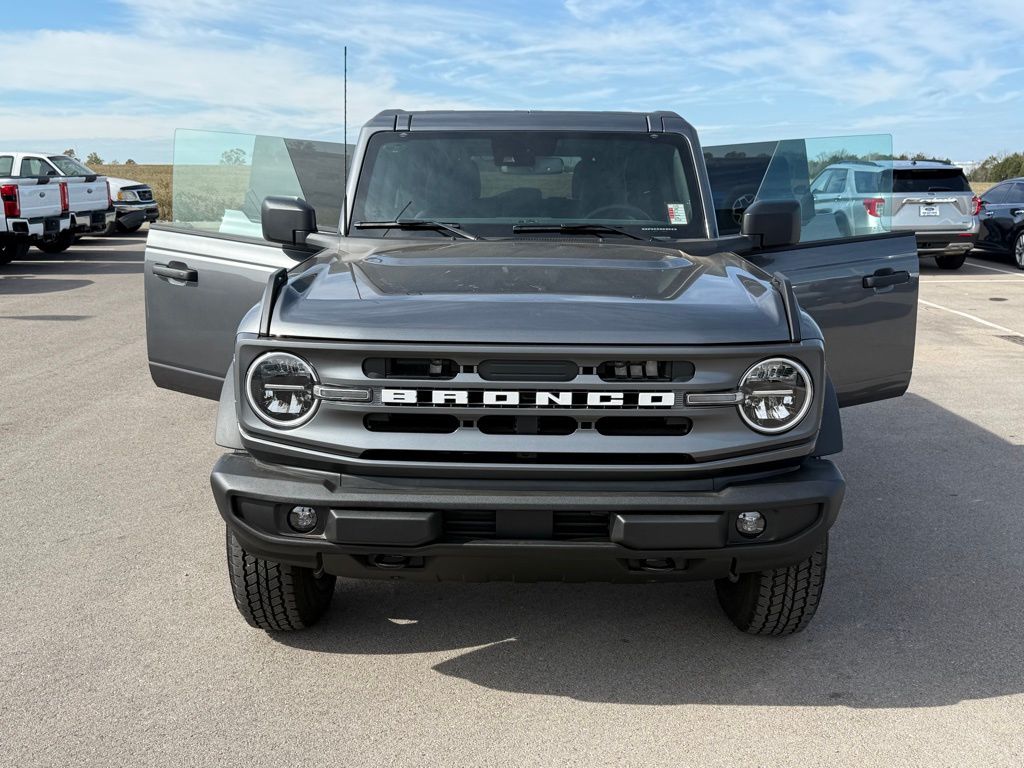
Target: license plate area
928, 210
51, 225
99, 219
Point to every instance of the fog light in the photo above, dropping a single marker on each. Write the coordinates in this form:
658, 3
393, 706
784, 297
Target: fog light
302, 519
750, 523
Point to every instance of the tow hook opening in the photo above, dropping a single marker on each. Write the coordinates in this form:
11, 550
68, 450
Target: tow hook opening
389, 562
658, 564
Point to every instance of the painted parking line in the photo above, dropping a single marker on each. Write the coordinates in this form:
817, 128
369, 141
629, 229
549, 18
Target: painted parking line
969, 316
1014, 272
1001, 280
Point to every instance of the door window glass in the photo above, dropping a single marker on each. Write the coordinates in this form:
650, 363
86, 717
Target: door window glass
34, 166
221, 179
1016, 195
997, 195
783, 170
820, 184
837, 182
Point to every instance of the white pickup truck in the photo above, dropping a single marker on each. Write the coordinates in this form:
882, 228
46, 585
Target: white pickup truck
88, 193
32, 211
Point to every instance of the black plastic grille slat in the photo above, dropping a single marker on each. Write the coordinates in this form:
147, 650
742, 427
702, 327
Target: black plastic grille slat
572, 525
646, 370
469, 524
580, 525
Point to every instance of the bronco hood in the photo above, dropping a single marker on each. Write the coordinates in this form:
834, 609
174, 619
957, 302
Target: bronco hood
541, 291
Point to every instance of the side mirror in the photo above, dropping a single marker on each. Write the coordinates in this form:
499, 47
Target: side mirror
287, 220
775, 222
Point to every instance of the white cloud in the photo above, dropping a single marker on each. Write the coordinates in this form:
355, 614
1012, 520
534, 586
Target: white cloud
262, 67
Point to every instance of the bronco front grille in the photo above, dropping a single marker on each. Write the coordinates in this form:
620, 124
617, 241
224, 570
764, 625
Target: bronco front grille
527, 409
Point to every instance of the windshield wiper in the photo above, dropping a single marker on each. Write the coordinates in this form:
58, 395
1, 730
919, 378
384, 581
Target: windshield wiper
583, 228
437, 226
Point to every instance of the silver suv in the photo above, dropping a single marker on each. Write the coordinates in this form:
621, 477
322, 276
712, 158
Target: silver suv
933, 200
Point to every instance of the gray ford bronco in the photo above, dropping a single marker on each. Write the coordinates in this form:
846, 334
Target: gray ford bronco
516, 347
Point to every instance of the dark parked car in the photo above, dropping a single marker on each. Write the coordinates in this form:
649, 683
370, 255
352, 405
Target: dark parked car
1002, 220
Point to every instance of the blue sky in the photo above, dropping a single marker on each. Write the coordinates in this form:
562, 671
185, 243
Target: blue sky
943, 76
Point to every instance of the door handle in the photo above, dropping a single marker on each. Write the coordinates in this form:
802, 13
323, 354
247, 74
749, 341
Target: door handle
883, 278
989, 214
183, 273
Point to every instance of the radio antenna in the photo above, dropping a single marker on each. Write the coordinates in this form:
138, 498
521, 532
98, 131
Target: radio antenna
344, 119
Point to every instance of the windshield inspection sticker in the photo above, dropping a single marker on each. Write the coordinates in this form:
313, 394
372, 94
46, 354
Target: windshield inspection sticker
676, 213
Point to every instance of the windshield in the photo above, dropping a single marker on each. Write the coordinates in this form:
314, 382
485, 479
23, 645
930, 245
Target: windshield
930, 180
69, 166
489, 181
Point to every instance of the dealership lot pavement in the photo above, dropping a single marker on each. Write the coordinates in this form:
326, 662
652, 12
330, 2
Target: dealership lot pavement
121, 646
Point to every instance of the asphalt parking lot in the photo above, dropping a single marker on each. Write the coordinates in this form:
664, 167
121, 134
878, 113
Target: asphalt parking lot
121, 644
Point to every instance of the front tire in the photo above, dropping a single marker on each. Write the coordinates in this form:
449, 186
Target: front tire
1018, 251
274, 596
780, 601
951, 261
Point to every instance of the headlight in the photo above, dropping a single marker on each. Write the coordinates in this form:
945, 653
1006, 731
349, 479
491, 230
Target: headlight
777, 394
279, 387
127, 196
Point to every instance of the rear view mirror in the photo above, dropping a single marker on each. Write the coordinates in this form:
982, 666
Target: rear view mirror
775, 222
287, 220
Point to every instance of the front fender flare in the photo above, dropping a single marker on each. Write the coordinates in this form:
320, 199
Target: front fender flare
227, 435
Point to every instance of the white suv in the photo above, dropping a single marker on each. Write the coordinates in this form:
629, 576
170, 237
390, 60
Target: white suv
931, 199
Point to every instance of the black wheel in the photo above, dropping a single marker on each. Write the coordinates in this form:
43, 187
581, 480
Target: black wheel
951, 261
1018, 251
843, 224
780, 601
13, 249
129, 230
63, 241
275, 596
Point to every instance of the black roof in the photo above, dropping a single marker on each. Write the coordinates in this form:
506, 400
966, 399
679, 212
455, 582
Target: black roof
400, 120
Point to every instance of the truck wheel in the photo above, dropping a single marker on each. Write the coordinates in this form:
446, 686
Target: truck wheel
779, 601
129, 230
14, 249
62, 243
275, 596
951, 261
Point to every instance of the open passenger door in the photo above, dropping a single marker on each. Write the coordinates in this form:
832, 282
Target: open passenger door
850, 272
208, 266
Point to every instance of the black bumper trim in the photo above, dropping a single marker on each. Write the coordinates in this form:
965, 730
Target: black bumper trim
240, 477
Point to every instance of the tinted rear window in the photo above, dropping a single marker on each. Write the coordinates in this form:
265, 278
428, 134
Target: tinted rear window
868, 181
930, 180
6, 165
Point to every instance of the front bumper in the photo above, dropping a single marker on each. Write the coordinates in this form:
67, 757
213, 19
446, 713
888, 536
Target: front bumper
482, 530
945, 243
134, 214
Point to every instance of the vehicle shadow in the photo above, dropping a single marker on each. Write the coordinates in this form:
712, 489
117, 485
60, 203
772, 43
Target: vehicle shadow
24, 284
75, 261
922, 608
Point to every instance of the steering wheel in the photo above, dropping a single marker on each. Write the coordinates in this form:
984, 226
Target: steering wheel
625, 207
